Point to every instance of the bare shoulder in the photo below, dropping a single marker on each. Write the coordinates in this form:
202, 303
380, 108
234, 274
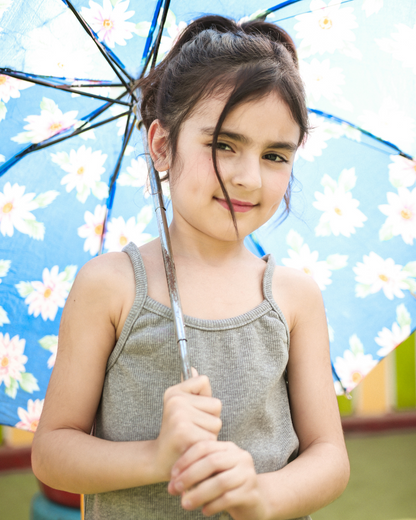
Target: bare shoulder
107, 281
295, 292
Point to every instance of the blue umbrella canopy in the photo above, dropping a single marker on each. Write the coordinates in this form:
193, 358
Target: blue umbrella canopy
73, 181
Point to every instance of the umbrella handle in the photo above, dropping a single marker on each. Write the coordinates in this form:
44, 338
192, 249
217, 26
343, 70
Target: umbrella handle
160, 210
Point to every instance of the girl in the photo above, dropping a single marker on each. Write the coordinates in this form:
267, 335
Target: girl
258, 435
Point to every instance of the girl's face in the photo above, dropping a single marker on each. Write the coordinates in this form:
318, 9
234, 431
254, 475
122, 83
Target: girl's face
255, 154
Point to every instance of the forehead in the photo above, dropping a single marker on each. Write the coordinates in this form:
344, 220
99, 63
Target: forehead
267, 118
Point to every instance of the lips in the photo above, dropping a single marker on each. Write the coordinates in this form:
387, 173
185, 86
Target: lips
239, 206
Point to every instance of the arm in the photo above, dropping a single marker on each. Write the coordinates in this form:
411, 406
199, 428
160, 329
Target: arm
321, 471
64, 455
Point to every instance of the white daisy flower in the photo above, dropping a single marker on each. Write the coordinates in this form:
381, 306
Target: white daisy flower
391, 124
4, 267
29, 418
11, 87
50, 343
174, 31
12, 359
109, 23
15, 209
327, 28
3, 317
375, 274
84, 168
136, 175
316, 142
401, 46
354, 365
92, 229
341, 214
372, 6
47, 296
388, 339
402, 171
120, 232
50, 122
323, 81
303, 259
401, 215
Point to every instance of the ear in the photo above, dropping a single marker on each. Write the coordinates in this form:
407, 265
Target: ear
157, 138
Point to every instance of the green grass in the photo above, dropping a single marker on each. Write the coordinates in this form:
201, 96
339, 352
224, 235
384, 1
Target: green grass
16, 491
382, 484
383, 480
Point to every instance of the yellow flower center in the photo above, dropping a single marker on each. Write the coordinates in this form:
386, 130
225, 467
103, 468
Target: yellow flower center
356, 377
47, 292
80, 170
4, 362
383, 277
338, 211
319, 78
98, 230
306, 270
123, 240
34, 425
55, 127
60, 64
325, 23
107, 24
406, 214
3, 79
7, 207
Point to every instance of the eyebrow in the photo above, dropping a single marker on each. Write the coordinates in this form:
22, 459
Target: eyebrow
285, 145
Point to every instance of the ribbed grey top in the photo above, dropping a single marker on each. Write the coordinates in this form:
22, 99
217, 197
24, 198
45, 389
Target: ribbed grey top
245, 359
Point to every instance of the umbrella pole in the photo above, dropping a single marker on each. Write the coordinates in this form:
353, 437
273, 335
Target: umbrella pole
160, 210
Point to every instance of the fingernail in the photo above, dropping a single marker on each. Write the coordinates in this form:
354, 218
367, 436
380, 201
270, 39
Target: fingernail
175, 472
186, 504
179, 486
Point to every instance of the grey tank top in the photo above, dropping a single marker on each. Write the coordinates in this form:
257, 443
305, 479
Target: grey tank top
245, 358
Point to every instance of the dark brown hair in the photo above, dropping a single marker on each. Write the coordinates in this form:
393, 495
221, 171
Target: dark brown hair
215, 55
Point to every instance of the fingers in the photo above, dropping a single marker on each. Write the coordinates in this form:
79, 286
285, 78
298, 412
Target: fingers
212, 474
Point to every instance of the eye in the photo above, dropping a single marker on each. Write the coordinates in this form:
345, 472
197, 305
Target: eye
224, 146
275, 158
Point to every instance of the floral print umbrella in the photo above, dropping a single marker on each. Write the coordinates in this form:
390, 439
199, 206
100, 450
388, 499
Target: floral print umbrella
73, 181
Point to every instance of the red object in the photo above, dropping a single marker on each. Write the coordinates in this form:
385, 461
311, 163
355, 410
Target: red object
60, 497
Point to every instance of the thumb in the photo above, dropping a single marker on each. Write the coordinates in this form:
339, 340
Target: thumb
194, 373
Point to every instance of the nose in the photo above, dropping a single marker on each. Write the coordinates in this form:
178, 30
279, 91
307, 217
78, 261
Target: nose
247, 173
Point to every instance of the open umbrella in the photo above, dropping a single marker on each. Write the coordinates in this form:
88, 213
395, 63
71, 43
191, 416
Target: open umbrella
74, 182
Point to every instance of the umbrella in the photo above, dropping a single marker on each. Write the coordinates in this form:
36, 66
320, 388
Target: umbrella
72, 169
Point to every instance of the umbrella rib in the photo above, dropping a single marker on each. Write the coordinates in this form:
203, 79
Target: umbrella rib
111, 187
150, 38
43, 144
279, 6
365, 132
64, 88
159, 34
104, 51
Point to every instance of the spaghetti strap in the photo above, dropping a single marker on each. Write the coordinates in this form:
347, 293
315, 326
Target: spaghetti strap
140, 297
268, 291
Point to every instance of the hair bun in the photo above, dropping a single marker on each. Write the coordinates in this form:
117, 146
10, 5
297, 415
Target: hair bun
272, 32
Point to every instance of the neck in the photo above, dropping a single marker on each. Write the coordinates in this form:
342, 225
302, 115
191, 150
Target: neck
191, 244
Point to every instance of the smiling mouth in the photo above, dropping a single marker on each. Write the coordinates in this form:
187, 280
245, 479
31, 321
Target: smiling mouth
239, 206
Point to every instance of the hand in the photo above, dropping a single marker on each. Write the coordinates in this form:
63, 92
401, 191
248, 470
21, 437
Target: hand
222, 477
190, 415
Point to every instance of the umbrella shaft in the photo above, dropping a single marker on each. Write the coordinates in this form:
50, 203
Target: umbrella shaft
162, 224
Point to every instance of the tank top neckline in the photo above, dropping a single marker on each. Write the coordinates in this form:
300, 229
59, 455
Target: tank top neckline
249, 316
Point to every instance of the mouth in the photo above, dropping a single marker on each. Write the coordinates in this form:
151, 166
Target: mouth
239, 206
